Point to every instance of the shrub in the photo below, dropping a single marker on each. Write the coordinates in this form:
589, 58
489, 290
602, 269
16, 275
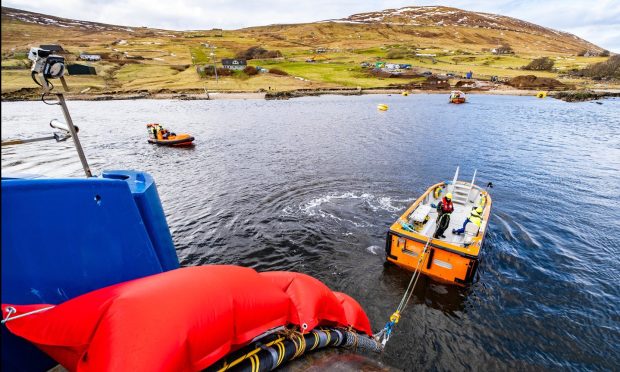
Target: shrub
208, 71
257, 52
607, 69
277, 71
540, 64
604, 53
179, 68
250, 70
395, 54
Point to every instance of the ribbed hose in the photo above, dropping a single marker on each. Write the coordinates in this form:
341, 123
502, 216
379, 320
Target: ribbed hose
275, 350
361, 342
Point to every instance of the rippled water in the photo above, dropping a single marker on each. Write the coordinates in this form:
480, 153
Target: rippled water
312, 185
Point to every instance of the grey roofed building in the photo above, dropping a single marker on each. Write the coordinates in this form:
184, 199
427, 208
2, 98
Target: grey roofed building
52, 47
234, 64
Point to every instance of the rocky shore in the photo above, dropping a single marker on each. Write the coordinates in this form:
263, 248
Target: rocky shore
33, 94
583, 95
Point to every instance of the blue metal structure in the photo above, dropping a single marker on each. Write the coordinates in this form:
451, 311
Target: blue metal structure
64, 237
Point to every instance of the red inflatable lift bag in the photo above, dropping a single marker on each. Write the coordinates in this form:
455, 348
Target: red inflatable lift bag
356, 317
180, 320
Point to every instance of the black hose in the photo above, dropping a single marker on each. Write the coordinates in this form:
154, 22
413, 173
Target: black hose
275, 350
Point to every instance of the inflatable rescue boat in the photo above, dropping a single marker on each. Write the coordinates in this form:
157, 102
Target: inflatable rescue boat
161, 136
453, 258
456, 96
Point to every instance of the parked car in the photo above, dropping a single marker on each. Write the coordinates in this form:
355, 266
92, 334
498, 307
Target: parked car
450, 74
427, 73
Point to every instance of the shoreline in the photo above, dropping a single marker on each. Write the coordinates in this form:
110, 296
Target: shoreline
20, 96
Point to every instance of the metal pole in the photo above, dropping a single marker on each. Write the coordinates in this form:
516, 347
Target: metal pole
21, 141
76, 140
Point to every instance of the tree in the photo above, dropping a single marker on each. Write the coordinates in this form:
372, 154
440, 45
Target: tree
609, 69
257, 52
540, 64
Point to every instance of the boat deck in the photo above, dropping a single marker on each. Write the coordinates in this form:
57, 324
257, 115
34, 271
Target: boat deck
465, 198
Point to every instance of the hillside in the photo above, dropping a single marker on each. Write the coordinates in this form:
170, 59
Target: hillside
323, 54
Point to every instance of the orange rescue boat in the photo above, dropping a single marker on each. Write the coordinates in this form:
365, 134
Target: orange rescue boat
454, 258
161, 136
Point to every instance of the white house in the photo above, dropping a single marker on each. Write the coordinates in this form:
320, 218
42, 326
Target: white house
234, 64
90, 57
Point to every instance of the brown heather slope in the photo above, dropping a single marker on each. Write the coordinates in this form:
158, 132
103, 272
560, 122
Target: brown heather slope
431, 27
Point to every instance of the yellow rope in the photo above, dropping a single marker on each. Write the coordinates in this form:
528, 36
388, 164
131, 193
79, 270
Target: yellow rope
282, 351
248, 355
257, 362
316, 340
252, 361
302, 348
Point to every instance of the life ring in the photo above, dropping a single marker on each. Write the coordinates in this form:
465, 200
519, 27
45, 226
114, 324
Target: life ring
437, 191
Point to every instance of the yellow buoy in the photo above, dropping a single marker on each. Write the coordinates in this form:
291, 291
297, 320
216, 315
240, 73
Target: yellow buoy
541, 95
405, 93
382, 107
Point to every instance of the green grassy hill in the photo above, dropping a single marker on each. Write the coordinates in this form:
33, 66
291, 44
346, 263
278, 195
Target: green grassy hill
436, 39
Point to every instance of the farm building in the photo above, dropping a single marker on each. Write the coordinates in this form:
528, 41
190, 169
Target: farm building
234, 64
75, 69
433, 82
90, 57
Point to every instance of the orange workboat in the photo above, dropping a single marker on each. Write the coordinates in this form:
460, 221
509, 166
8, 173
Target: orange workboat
456, 96
161, 136
454, 257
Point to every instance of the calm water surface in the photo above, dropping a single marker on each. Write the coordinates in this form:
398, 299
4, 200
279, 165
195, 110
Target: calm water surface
312, 185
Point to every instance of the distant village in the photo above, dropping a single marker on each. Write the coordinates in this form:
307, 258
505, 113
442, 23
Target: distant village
405, 75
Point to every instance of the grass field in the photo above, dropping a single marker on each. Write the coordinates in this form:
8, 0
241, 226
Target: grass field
167, 60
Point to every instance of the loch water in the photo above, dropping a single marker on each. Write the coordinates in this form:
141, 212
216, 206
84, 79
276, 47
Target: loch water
312, 185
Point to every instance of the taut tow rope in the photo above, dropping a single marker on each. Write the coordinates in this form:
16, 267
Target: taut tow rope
383, 336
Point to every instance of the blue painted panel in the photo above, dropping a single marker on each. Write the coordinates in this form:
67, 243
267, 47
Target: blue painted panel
65, 237
147, 199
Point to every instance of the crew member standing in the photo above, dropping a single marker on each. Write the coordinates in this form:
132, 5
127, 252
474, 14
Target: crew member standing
444, 209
